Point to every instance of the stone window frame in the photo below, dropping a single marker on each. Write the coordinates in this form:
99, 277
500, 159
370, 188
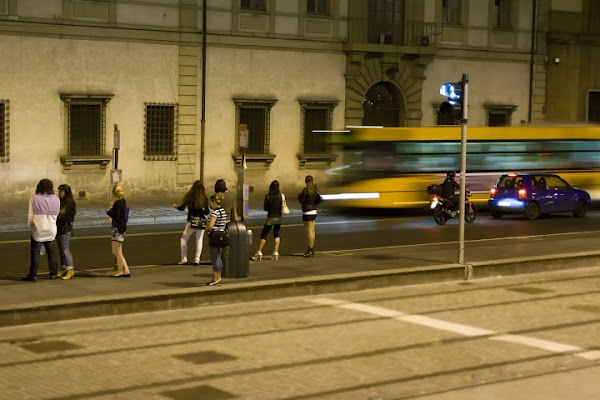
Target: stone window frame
316, 158
266, 157
102, 99
506, 109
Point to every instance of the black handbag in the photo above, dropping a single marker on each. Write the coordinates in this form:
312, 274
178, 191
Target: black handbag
218, 239
195, 222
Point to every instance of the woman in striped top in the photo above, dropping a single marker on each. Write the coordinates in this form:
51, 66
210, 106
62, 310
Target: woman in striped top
217, 221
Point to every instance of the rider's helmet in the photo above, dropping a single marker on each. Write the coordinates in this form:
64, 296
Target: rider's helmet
450, 174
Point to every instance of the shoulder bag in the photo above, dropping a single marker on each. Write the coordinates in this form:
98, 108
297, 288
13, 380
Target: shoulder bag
218, 238
284, 206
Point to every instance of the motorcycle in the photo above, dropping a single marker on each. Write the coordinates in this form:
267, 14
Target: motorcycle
443, 209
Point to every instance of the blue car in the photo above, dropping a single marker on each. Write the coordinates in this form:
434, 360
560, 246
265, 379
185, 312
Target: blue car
533, 194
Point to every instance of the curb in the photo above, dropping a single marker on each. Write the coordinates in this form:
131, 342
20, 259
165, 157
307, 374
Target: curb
163, 300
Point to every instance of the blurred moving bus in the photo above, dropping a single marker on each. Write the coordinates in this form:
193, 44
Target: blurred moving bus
392, 167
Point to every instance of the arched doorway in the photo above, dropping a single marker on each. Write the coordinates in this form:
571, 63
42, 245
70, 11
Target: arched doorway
382, 106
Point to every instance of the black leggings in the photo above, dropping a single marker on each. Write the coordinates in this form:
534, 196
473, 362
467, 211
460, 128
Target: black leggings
267, 229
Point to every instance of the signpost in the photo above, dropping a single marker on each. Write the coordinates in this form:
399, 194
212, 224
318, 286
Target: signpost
458, 93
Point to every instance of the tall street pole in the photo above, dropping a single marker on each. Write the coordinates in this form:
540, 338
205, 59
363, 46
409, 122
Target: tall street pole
463, 167
203, 95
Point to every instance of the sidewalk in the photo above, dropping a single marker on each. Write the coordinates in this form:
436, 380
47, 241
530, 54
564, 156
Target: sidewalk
90, 213
153, 288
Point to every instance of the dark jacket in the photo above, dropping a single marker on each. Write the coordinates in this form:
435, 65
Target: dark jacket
118, 213
449, 186
66, 216
194, 211
309, 202
272, 205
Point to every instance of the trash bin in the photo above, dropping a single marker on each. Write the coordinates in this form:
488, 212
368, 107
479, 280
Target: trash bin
239, 261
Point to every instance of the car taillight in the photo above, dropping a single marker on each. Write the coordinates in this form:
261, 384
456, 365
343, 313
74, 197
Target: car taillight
522, 194
492, 192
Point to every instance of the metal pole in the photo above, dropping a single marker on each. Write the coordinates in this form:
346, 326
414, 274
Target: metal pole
203, 100
463, 168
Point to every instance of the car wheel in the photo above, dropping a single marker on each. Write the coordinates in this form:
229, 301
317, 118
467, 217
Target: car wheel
580, 209
439, 216
532, 211
496, 214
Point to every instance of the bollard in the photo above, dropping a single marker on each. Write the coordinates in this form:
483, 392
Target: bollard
468, 272
239, 261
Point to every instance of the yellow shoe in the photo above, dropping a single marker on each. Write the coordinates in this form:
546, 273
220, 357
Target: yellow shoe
69, 274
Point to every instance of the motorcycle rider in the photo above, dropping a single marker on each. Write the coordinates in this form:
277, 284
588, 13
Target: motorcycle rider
449, 188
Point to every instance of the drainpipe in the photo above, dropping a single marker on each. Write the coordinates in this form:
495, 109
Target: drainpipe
532, 61
203, 95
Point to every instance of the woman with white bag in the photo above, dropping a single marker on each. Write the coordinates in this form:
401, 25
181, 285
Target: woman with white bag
275, 205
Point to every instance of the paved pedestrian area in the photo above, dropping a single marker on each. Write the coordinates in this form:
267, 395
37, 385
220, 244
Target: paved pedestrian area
396, 343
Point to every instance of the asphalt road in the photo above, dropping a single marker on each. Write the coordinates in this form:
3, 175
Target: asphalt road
159, 244
526, 337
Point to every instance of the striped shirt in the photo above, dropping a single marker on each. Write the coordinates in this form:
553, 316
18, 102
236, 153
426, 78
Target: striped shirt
221, 219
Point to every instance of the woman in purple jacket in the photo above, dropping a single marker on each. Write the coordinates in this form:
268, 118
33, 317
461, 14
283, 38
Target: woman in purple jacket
44, 207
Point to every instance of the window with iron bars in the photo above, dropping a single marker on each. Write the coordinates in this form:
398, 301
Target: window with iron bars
317, 7
160, 139
4, 137
499, 115
86, 127
316, 119
451, 10
254, 5
256, 115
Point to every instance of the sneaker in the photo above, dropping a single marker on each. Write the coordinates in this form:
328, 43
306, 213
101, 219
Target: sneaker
182, 262
68, 274
52, 277
214, 283
61, 272
197, 263
29, 278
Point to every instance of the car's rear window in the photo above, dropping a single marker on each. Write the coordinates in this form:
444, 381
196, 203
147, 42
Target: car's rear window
510, 181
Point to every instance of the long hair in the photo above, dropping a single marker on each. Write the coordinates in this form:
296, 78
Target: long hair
220, 186
68, 196
45, 186
274, 189
217, 198
310, 186
196, 195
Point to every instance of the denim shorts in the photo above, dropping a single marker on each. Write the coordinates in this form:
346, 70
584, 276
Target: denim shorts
116, 236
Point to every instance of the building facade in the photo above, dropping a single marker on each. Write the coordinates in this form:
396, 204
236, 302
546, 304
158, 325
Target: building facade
81, 77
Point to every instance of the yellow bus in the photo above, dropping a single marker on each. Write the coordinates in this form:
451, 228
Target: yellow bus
392, 167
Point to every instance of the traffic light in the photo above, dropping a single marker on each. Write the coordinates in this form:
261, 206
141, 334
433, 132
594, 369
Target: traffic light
450, 110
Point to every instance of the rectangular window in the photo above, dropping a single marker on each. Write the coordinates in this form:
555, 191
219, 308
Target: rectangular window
255, 120
86, 131
4, 131
451, 10
316, 120
593, 113
317, 7
499, 115
254, 5
502, 11
386, 22
161, 132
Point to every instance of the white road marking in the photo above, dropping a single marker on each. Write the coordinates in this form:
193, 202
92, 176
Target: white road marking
548, 345
379, 311
593, 355
466, 330
446, 326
